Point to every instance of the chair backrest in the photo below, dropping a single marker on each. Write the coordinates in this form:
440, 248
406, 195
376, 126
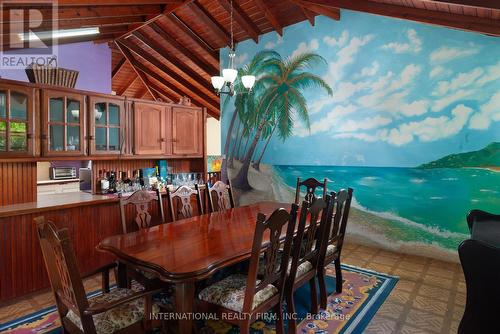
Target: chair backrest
307, 242
182, 199
220, 196
480, 266
334, 231
311, 185
141, 200
275, 271
62, 269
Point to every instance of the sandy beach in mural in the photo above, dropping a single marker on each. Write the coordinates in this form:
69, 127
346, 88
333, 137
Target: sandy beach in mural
364, 227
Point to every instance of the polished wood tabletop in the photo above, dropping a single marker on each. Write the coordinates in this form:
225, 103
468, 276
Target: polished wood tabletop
191, 249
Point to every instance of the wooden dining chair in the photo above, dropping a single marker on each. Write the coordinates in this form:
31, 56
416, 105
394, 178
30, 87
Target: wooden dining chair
183, 207
118, 310
311, 184
141, 199
220, 196
239, 298
305, 255
333, 238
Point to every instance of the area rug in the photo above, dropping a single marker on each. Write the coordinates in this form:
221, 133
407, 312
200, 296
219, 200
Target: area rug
363, 293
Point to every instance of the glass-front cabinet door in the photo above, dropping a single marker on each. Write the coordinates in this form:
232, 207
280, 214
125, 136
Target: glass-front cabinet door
63, 126
107, 118
16, 121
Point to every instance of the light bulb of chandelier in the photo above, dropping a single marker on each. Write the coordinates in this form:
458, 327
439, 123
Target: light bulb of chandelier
229, 75
248, 81
217, 82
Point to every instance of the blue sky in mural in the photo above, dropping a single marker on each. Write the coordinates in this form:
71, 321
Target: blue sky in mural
404, 93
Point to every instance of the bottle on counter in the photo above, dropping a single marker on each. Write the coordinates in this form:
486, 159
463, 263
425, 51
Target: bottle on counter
103, 182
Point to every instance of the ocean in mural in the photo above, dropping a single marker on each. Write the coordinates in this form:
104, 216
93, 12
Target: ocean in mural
414, 201
411, 122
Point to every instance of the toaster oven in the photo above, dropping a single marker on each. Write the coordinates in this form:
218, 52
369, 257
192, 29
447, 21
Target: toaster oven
61, 173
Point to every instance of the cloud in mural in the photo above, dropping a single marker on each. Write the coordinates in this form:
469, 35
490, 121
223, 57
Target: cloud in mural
446, 54
368, 71
240, 59
305, 47
490, 112
426, 130
337, 42
439, 71
462, 80
345, 56
414, 44
273, 44
326, 123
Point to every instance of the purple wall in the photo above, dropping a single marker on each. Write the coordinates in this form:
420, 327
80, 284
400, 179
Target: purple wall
92, 60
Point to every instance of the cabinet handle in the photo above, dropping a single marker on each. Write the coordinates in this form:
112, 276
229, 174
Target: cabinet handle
44, 137
91, 137
174, 140
29, 135
162, 140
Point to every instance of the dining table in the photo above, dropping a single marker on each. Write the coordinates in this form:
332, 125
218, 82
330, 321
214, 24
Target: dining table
190, 250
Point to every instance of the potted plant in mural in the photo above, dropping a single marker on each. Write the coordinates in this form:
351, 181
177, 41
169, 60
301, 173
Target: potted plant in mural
276, 101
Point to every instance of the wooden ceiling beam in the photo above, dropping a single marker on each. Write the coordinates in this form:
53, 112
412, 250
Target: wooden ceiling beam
165, 92
206, 66
242, 19
62, 3
187, 88
463, 22
333, 13
97, 12
203, 15
160, 49
179, 24
177, 89
309, 15
118, 67
488, 4
270, 16
130, 58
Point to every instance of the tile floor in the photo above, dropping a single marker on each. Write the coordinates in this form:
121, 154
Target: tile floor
429, 297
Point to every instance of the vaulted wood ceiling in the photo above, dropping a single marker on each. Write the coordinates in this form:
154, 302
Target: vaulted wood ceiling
166, 49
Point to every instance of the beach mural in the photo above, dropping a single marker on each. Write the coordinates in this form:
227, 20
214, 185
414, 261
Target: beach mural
410, 121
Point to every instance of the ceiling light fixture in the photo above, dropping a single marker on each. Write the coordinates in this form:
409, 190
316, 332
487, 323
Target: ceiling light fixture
230, 74
56, 34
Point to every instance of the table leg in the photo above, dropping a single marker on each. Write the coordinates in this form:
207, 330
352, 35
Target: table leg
121, 278
184, 304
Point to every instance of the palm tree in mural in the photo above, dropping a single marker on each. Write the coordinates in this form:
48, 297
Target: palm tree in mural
267, 134
245, 101
282, 101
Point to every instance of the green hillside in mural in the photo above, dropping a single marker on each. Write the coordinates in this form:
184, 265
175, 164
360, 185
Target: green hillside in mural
486, 157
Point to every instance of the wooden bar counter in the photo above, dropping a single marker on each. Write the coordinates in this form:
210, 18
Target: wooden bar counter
89, 219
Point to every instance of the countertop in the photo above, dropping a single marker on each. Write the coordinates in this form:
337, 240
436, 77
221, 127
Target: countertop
44, 182
56, 202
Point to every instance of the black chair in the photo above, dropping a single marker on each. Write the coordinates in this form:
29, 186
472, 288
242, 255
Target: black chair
311, 184
480, 259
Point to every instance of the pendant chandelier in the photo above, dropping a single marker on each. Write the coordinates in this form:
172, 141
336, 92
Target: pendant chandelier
230, 74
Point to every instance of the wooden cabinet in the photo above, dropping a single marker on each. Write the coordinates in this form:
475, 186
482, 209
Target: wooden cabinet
187, 128
17, 121
170, 130
63, 123
152, 128
107, 125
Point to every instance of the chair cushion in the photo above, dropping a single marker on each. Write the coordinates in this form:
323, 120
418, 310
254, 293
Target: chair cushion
118, 317
230, 293
301, 269
330, 250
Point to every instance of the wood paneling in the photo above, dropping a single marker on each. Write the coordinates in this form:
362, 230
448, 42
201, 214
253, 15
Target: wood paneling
17, 182
21, 266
